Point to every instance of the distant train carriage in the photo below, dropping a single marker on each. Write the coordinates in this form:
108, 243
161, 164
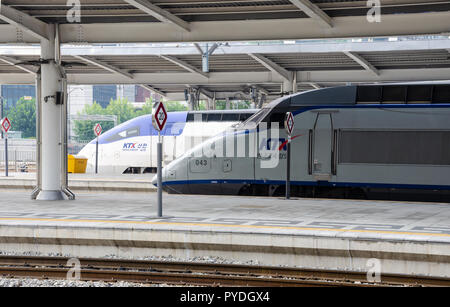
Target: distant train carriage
131, 146
383, 141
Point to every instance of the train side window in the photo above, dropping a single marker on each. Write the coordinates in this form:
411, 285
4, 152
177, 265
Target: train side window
395, 147
244, 117
277, 117
192, 117
230, 117
131, 132
214, 117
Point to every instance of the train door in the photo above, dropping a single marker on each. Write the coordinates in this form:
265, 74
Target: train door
322, 147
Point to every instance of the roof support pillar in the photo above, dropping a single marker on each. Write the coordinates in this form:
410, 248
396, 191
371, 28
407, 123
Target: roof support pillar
287, 87
294, 83
228, 105
194, 96
51, 121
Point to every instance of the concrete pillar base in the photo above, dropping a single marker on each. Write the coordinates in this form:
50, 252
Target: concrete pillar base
51, 195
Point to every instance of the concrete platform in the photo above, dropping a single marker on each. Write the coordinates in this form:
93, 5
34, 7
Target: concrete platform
407, 238
85, 182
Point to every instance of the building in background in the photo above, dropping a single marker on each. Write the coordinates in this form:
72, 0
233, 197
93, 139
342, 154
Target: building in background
127, 92
82, 95
103, 94
79, 96
13, 93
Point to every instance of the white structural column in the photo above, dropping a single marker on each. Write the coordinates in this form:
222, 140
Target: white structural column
288, 87
294, 83
51, 124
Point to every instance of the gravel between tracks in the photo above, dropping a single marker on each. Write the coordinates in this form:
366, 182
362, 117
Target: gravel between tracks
13, 282
206, 259
25, 282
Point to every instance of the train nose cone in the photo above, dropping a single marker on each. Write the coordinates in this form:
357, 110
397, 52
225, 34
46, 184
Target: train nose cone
155, 180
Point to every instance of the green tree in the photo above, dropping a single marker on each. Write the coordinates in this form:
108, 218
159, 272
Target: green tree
124, 111
84, 129
23, 117
122, 108
146, 109
174, 106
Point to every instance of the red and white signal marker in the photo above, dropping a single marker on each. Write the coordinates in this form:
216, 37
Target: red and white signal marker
289, 123
6, 125
159, 117
98, 130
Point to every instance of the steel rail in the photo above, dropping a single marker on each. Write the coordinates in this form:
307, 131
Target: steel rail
200, 273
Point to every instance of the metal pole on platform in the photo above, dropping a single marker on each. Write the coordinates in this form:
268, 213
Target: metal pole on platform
289, 126
1, 115
288, 169
96, 156
6, 154
6, 143
160, 195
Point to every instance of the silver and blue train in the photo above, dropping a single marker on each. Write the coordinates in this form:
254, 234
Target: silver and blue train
131, 146
378, 141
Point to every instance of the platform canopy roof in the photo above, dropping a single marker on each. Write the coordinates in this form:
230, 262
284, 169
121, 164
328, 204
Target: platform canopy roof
235, 68
120, 21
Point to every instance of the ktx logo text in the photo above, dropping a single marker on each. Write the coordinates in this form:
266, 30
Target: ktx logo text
134, 147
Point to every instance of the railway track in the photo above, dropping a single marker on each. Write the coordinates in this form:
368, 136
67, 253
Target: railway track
202, 274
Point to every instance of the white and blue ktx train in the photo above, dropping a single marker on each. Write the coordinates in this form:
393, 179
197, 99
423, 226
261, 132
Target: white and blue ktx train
131, 146
381, 141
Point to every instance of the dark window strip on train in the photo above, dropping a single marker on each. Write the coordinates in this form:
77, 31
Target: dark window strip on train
395, 147
218, 117
403, 94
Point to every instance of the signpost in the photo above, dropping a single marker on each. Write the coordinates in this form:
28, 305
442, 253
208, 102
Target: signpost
289, 126
159, 120
6, 125
98, 131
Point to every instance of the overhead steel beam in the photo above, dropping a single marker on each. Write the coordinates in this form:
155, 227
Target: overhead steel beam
314, 12
261, 78
159, 13
24, 22
200, 50
243, 30
161, 81
362, 61
261, 48
206, 93
154, 90
272, 66
14, 62
185, 65
105, 66
213, 48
